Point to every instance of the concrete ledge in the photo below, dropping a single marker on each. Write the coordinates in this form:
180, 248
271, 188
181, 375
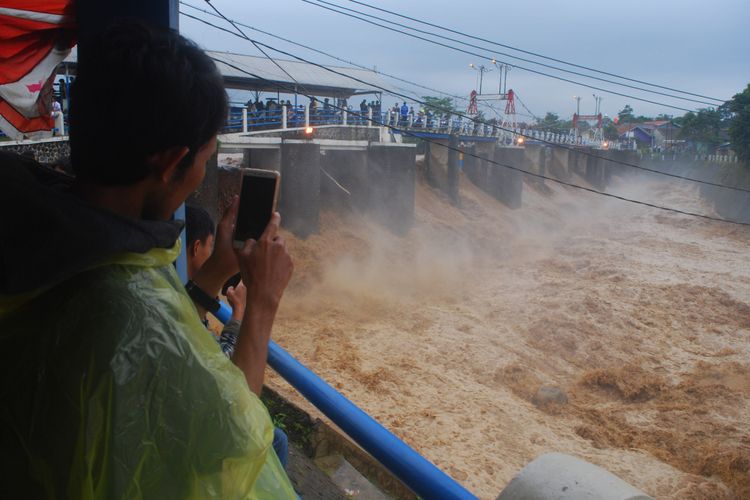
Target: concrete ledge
30, 142
556, 476
235, 142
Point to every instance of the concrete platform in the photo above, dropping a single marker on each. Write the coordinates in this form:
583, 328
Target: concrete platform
309, 481
557, 476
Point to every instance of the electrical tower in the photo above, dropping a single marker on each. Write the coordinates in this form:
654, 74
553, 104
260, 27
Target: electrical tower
598, 134
503, 94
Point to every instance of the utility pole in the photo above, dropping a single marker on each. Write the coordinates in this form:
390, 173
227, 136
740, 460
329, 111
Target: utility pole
482, 70
503, 70
578, 104
598, 100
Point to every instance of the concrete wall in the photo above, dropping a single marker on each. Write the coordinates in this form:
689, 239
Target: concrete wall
559, 161
504, 183
572, 163
581, 160
347, 170
728, 203
264, 159
535, 160
391, 171
595, 166
441, 166
473, 166
299, 203
49, 151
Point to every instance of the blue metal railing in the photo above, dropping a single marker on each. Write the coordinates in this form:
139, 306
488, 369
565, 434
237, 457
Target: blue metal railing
420, 475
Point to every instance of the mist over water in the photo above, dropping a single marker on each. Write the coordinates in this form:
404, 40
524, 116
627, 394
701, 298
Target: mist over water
641, 317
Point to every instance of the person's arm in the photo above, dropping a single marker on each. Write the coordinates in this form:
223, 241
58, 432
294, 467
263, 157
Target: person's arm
266, 268
222, 263
237, 297
228, 338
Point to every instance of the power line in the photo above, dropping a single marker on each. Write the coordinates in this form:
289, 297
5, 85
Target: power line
238, 23
361, 66
551, 179
494, 126
489, 57
515, 57
535, 53
243, 35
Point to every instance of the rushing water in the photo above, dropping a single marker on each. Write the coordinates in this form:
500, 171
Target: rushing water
641, 317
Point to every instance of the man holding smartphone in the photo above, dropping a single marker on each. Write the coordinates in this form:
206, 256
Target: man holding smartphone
123, 393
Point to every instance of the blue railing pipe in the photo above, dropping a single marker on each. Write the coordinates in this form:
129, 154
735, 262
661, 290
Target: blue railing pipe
415, 471
224, 314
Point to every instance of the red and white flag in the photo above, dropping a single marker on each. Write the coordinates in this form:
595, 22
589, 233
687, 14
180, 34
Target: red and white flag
35, 36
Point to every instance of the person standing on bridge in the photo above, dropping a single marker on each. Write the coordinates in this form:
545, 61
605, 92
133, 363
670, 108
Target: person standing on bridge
404, 114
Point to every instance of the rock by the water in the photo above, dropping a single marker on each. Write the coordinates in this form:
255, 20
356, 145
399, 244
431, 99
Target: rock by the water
549, 394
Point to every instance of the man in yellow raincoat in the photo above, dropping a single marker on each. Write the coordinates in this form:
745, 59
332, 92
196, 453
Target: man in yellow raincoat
110, 386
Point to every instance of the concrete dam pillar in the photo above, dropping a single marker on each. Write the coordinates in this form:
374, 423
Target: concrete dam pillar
391, 173
534, 160
595, 169
472, 164
441, 162
299, 202
506, 184
572, 165
582, 156
558, 167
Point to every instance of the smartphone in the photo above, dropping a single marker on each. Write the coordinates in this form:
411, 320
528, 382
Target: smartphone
231, 282
259, 193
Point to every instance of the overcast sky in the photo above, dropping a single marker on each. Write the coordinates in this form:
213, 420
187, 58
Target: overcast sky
696, 46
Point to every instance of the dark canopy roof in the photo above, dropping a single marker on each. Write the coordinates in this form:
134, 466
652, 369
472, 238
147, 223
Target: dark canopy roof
246, 72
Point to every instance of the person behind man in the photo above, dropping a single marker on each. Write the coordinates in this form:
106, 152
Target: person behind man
199, 245
123, 394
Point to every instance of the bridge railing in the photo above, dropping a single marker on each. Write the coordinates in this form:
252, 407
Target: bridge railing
276, 117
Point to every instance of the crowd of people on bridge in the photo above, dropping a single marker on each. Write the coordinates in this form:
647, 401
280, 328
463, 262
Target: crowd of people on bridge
269, 115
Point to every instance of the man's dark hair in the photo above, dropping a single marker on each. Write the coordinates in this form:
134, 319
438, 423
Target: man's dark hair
198, 225
140, 91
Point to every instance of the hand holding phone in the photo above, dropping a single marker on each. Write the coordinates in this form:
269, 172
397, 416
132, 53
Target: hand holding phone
266, 268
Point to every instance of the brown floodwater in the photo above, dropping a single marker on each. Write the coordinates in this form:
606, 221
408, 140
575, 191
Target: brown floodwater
641, 317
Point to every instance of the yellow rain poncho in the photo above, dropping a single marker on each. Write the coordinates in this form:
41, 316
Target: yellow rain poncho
112, 388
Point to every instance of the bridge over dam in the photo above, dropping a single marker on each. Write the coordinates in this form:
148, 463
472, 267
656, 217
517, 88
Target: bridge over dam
370, 170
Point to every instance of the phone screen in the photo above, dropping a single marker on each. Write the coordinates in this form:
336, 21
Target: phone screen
256, 206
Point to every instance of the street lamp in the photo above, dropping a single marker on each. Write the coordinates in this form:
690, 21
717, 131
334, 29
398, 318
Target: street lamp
482, 70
